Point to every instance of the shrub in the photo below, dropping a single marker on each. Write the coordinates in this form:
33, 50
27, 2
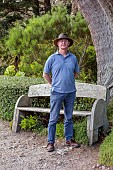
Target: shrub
106, 150
110, 112
33, 123
10, 71
80, 134
10, 89
29, 122
82, 103
20, 73
60, 130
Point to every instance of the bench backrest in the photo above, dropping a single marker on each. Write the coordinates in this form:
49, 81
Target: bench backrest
83, 90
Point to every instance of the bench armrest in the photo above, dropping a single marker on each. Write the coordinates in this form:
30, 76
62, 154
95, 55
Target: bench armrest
23, 100
98, 119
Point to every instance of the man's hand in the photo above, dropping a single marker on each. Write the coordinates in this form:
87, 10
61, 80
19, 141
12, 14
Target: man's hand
47, 78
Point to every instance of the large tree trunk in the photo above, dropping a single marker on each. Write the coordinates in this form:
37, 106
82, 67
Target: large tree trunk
108, 9
99, 16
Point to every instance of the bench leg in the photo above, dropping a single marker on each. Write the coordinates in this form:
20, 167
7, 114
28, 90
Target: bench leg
17, 120
91, 134
88, 126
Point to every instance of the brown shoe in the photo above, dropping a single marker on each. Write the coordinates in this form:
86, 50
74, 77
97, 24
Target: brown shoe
72, 143
50, 147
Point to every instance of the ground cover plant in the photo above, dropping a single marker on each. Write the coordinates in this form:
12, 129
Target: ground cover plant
106, 149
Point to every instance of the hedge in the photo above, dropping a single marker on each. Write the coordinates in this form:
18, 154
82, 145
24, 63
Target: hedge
10, 89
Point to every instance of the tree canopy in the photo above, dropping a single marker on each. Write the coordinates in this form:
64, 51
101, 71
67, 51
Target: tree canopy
32, 42
13, 10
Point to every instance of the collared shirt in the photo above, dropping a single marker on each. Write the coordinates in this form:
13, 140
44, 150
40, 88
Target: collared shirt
62, 70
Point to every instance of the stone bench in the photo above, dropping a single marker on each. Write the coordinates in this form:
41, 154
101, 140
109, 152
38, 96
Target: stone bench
96, 118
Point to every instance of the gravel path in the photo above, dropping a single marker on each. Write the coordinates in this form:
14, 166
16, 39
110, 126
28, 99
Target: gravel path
26, 151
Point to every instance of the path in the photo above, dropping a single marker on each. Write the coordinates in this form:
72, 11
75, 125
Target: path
26, 151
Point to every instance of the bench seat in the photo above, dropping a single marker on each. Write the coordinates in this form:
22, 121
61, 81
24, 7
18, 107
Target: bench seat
47, 110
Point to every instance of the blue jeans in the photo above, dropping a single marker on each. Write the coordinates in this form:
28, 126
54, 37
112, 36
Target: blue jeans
56, 101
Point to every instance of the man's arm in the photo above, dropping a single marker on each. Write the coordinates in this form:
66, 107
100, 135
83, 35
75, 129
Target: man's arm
47, 78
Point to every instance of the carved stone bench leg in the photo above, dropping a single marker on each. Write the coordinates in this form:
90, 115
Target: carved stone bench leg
88, 127
22, 101
17, 120
93, 136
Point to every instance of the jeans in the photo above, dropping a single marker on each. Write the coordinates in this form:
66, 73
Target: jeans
56, 101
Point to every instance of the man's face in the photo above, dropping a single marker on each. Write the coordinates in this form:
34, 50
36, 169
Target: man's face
63, 44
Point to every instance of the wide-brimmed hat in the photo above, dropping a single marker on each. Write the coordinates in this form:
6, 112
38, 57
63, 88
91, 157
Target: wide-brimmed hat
63, 36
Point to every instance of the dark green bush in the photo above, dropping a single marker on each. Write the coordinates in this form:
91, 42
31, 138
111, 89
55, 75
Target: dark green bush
82, 103
110, 112
10, 89
80, 134
106, 150
60, 130
80, 131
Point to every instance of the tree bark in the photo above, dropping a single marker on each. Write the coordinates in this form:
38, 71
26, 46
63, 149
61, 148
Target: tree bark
36, 7
47, 5
98, 16
74, 7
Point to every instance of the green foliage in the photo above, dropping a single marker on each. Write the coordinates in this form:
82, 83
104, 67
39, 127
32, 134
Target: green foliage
87, 73
33, 123
28, 123
110, 112
20, 73
14, 44
30, 67
80, 131
106, 150
12, 10
60, 130
83, 103
10, 71
10, 89
33, 42
79, 26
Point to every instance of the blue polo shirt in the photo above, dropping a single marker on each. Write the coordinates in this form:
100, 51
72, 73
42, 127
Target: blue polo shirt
62, 70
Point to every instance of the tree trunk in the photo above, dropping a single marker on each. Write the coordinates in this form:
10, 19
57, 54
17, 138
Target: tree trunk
98, 16
36, 7
74, 7
47, 5
108, 9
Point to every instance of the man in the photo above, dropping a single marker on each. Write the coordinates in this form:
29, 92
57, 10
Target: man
60, 71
